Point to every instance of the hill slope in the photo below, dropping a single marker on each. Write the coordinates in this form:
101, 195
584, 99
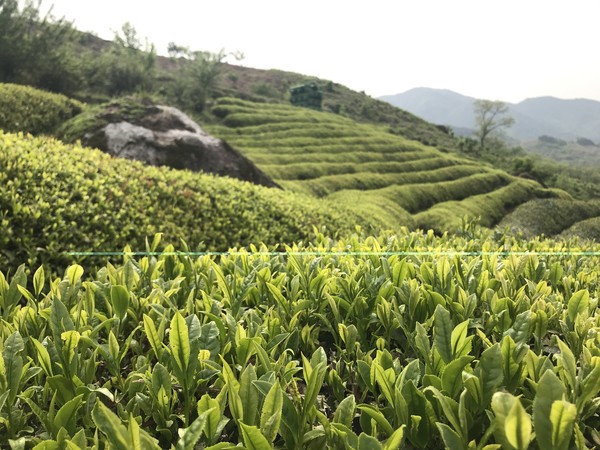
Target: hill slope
368, 170
56, 198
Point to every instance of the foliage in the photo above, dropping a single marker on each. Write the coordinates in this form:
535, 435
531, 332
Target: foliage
36, 49
307, 95
30, 110
358, 343
125, 67
489, 207
367, 169
590, 228
575, 173
550, 216
56, 198
490, 116
130, 108
200, 73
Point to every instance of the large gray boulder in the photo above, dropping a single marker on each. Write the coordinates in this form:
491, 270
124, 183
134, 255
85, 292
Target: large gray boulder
165, 136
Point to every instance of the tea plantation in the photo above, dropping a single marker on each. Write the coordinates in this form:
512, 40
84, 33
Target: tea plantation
278, 319
355, 164
57, 198
401, 341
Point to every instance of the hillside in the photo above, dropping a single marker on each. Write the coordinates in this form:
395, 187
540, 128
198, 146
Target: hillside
534, 117
368, 170
57, 198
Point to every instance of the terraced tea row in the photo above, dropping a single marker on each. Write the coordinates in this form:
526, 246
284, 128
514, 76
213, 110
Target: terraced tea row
326, 185
364, 166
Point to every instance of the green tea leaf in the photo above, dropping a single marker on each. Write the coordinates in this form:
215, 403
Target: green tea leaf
66, 417
160, 379
578, 304
513, 424
567, 361
490, 372
152, 336
590, 385
460, 343
43, 357
344, 413
314, 383
452, 375
366, 442
562, 415
179, 342
74, 273
109, 424
442, 333
254, 439
270, 418
119, 298
394, 442
211, 427
13, 364
451, 439
376, 415
550, 389
249, 395
517, 427
38, 280
191, 434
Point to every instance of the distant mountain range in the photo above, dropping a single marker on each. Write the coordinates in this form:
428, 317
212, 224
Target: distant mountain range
534, 117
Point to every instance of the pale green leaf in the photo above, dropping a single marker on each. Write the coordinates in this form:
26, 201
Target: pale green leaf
254, 439
442, 333
550, 389
270, 418
179, 342
562, 415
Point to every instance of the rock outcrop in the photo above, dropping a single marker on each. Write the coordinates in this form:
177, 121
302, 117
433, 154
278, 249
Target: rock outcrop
165, 136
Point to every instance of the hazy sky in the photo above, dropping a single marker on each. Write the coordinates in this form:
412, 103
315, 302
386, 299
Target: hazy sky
508, 50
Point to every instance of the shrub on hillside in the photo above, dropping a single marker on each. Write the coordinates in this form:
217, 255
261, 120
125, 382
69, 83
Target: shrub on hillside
23, 108
57, 198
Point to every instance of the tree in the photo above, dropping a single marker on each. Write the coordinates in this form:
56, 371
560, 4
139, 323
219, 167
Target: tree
125, 67
490, 116
36, 49
198, 77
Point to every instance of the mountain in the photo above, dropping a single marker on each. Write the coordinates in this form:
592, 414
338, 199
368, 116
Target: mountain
578, 117
436, 105
534, 117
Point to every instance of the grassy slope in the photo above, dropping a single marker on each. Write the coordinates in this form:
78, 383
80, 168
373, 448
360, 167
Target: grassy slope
56, 198
368, 170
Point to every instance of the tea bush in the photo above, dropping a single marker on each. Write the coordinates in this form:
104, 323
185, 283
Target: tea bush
30, 110
405, 341
57, 198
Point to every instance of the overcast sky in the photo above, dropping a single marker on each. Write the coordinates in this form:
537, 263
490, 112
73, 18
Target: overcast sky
497, 49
